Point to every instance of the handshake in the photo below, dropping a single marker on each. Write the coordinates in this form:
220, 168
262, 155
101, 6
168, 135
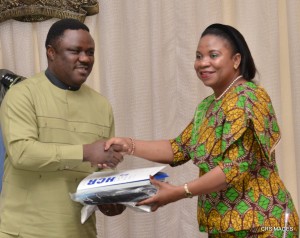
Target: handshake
105, 156
102, 157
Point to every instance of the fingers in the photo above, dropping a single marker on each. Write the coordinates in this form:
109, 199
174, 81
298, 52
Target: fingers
147, 201
108, 143
108, 164
113, 158
101, 166
96, 154
112, 141
118, 156
162, 196
119, 144
151, 202
117, 148
154, 207
155, 182
112, 161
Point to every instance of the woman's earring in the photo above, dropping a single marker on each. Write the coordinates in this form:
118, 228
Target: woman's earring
235, 66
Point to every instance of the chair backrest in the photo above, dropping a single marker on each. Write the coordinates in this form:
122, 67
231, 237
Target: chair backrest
8, 79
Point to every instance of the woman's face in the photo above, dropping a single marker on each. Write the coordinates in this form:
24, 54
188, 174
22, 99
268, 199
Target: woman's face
215, 63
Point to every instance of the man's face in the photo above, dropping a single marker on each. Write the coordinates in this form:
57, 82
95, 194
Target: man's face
71, 58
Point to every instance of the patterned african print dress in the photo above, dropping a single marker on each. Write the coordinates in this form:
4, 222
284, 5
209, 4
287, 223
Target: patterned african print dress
238, 134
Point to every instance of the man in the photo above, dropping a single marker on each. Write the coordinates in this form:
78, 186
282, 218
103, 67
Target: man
53, 129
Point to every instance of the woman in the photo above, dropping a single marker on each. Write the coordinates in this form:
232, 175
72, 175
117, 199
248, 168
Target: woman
231, 139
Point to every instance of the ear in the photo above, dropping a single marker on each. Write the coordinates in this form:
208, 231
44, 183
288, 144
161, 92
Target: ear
50, 52
236, 60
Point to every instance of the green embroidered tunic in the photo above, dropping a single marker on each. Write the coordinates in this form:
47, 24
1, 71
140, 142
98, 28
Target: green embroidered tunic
238, 134
44, 130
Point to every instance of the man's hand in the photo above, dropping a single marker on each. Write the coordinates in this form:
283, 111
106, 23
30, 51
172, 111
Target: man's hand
111, 209
96, 154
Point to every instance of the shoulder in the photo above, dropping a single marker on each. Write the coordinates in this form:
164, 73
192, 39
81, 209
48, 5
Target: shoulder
251, 103
29, 83
252, 91
247, 97
24, 88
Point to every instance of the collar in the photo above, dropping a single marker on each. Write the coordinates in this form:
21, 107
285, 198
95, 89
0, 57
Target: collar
54, 80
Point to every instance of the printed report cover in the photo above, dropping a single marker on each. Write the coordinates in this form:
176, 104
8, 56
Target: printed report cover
118, 186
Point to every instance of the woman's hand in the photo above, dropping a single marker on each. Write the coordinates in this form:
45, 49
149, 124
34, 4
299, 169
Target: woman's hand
98, 156
166, 194
126, 144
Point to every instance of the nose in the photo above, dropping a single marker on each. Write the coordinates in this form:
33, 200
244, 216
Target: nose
85, 57
201, 63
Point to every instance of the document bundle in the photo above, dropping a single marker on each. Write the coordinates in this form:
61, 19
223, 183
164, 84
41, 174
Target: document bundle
124, 187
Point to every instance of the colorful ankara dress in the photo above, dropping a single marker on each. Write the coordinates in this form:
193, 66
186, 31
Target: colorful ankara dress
238, 134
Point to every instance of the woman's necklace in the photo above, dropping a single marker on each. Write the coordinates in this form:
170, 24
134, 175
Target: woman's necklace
230, 85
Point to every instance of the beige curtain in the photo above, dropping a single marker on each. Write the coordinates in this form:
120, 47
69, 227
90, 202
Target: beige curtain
145, 51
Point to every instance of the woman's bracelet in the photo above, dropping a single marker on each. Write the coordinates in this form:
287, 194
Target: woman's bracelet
132, 146
188, 194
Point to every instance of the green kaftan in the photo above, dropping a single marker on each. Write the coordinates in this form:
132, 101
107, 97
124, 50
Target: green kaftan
44, 128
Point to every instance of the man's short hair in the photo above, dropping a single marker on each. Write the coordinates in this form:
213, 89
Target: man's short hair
57, 29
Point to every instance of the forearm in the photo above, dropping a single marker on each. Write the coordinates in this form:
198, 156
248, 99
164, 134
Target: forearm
156, 151
22, 133
30, 155
213, 181
26, 152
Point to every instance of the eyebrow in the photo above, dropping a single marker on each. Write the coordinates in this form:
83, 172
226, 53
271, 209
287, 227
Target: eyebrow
210, 51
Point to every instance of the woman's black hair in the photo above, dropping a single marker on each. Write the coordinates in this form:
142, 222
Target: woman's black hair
238, 44
57, 29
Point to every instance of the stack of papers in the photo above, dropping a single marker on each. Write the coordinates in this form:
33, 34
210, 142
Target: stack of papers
127, 186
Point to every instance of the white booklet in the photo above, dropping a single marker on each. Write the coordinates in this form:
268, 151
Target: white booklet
124, 187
